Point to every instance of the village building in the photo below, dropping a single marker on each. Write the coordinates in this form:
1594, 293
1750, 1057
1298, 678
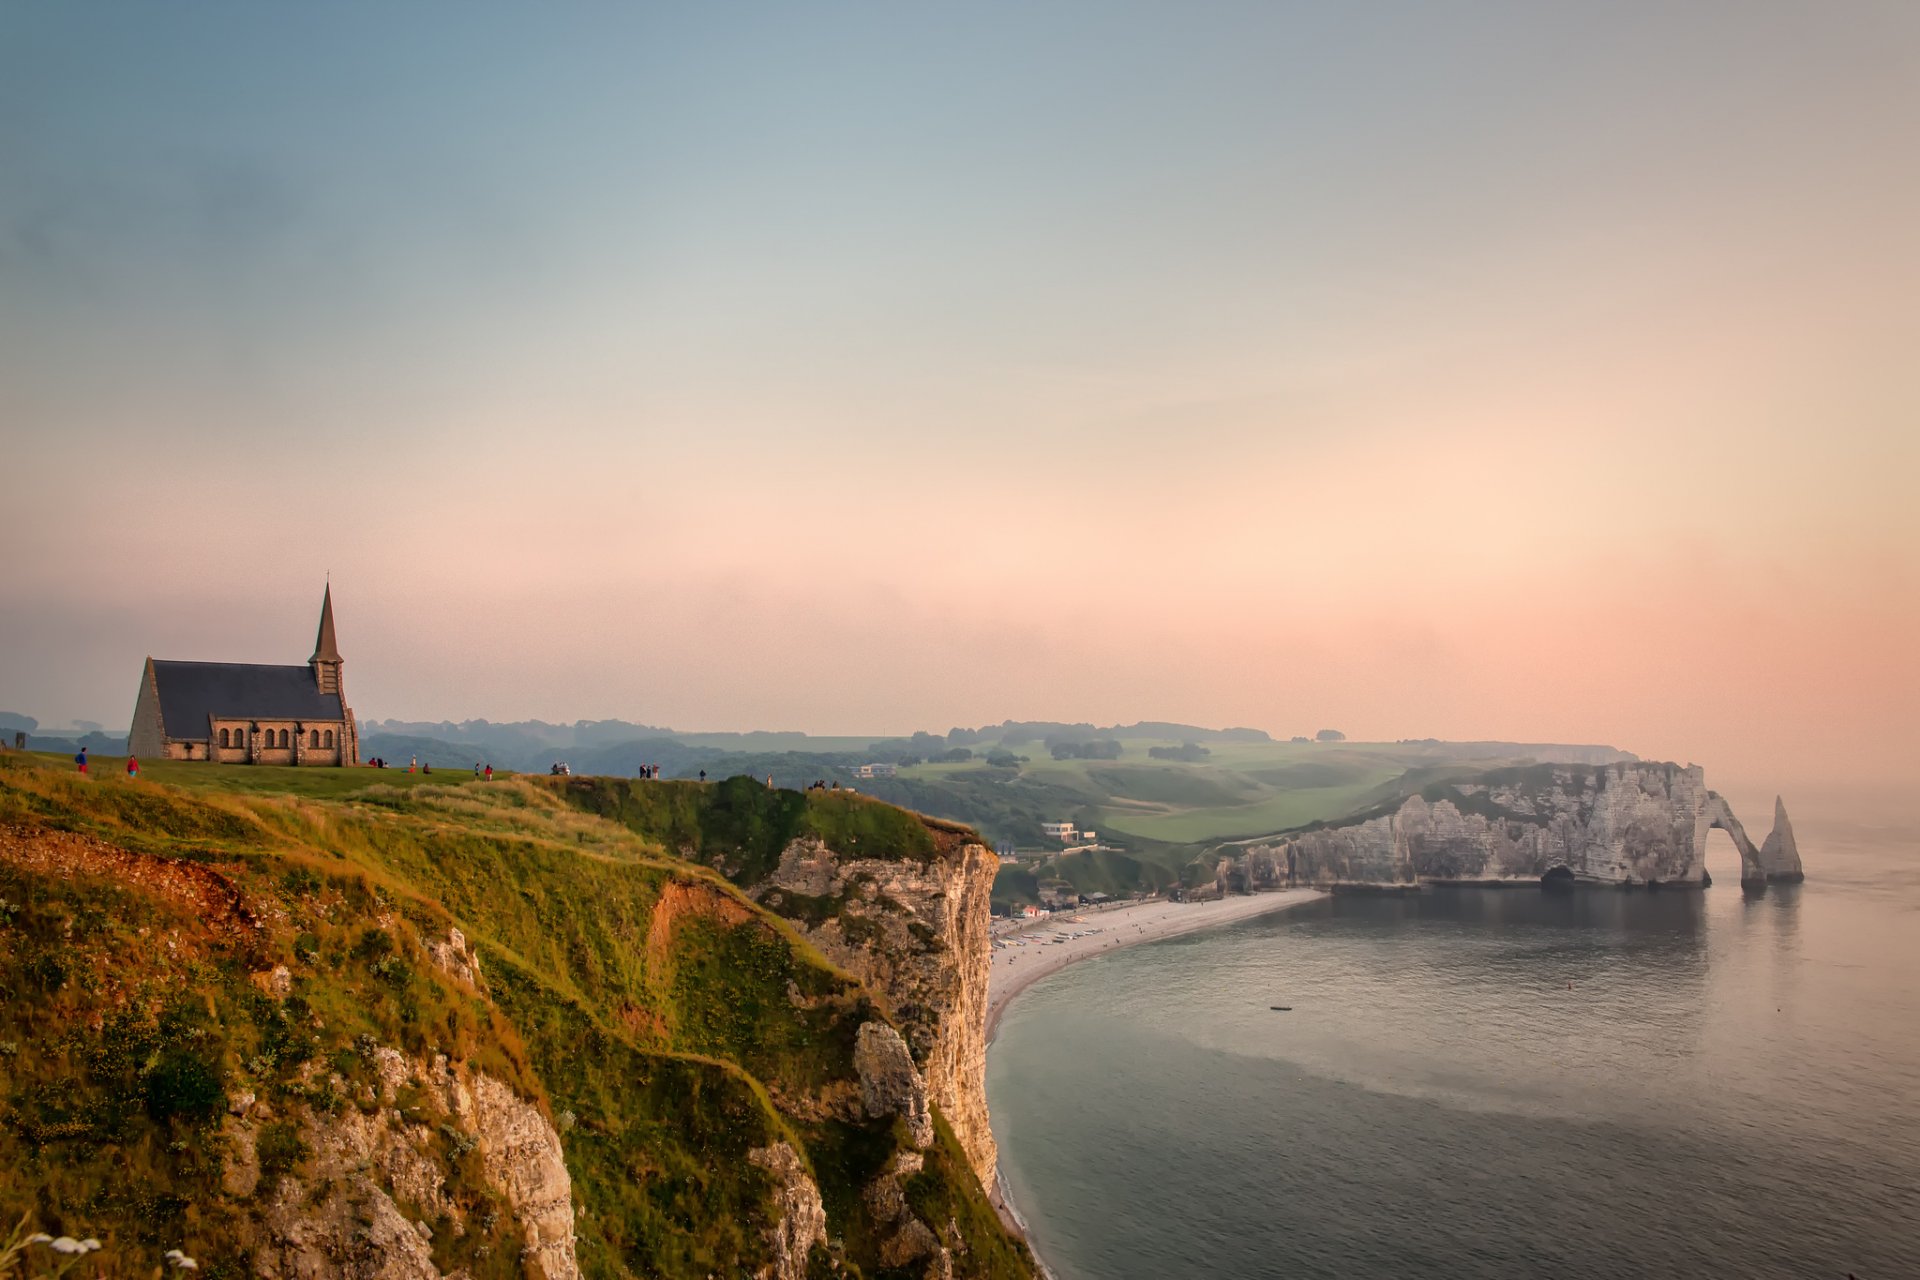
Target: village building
1061, 831
246, 712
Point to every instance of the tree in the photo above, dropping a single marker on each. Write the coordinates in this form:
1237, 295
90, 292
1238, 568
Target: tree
1330, 735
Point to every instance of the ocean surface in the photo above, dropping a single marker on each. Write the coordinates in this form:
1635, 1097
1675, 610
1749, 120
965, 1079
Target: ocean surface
1482, 1083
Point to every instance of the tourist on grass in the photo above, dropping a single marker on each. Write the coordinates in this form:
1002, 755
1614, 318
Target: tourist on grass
133, 768
489, 773
81, 759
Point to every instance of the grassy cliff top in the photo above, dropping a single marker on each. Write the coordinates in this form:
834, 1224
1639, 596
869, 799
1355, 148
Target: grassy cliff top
662, 1020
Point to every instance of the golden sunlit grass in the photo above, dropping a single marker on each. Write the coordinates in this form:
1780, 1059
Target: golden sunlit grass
634, 992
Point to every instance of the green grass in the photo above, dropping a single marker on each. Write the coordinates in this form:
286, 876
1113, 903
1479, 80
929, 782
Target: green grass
1274, 812
632, 990
1241, 789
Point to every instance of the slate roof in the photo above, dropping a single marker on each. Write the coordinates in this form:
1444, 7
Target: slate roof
190, 692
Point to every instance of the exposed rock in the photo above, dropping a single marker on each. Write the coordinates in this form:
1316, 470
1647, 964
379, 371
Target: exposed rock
917, 933
905, 1237
890, 1085
1617, 824
521, 1155
887, 1196
276, 982
1780, 855
914, 1239
803, 1219
240, 1170
353, 1231
339, 1215
458, 960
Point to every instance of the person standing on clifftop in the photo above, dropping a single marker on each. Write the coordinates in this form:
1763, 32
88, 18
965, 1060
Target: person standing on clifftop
489, 773
81, 759
133, 768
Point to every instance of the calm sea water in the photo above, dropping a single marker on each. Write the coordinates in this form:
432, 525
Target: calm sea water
1482, 1083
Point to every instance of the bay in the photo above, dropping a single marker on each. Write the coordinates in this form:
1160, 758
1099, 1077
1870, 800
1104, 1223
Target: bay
1482, 1083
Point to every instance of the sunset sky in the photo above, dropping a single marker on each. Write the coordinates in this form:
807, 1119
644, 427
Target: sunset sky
1530, 370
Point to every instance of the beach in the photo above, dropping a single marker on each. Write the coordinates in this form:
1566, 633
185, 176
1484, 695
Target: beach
1023, 956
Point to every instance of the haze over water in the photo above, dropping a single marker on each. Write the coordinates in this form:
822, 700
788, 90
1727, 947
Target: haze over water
1491, 1083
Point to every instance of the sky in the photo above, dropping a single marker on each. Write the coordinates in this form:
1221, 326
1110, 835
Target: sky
1531, 370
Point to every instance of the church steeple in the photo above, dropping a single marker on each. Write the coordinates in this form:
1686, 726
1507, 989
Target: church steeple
326, 658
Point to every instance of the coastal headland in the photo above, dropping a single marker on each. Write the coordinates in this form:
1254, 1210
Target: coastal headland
1023, 956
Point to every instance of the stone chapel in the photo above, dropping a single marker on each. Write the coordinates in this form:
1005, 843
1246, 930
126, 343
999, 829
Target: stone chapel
246, 712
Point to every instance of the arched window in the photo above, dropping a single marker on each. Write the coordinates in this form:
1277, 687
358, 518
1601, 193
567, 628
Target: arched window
223, 738
285, 738
314, 739
329, 737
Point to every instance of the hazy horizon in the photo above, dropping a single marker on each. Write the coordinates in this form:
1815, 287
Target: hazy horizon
1532, 372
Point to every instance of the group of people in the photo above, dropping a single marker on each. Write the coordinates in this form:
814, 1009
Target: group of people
413, 764
375, 762
649, 771
133, 764
561, 769
821, 784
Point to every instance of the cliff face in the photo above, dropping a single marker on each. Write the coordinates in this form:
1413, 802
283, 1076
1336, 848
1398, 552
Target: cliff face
916, 932
1615, 824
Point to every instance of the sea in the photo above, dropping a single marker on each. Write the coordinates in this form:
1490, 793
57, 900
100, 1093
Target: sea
1492, 1083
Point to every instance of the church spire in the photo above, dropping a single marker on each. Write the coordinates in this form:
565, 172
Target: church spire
325, 649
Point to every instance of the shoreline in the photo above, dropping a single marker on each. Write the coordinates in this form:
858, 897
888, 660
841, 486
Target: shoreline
1033, 954
1030, 957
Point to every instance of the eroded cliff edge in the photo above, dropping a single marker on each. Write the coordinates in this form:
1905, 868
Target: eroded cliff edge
917, 932
1620, 824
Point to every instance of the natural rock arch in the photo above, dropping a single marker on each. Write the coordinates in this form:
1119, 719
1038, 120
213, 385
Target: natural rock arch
1778, 861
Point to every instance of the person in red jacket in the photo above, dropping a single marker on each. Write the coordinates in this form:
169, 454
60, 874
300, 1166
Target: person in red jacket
133, 768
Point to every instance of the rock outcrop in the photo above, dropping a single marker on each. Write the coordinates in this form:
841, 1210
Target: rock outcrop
889, 1083
339, 1211
803, 1219
917, 933
1615, 824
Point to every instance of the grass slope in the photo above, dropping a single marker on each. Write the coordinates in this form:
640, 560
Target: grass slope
662, 1020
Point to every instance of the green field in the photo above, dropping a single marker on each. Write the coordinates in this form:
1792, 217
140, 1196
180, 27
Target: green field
1241, 789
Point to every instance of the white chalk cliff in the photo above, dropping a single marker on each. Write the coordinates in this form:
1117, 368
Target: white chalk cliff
1622, 824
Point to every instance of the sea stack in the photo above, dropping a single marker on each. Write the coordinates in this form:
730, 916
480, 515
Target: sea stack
1780, 855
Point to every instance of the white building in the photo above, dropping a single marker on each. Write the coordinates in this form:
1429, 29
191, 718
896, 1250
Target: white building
1061, 831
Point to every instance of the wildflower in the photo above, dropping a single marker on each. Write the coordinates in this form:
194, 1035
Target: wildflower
181, 1261
39, 1237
